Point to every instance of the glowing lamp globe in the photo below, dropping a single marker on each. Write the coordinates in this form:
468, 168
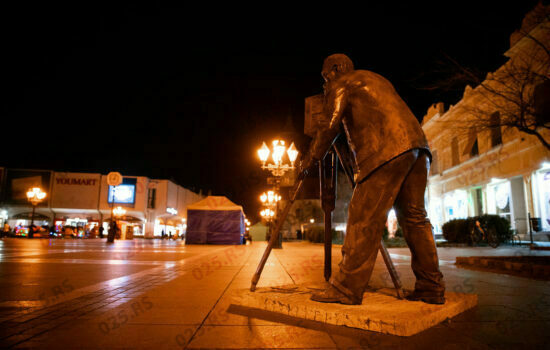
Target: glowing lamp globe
263, 153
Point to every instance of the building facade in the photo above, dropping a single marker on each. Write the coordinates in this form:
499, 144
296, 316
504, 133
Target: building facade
84, 202
491, 168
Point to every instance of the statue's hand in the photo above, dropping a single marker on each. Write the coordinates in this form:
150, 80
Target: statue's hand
306, 164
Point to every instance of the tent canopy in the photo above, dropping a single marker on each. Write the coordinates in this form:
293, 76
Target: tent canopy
215, 220
214, 203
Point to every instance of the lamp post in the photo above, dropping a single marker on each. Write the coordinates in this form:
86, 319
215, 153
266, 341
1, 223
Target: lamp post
267, 215
278, 168
269, 200
35, 195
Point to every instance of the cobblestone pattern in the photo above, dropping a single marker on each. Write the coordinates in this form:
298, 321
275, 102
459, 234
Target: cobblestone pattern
18, 325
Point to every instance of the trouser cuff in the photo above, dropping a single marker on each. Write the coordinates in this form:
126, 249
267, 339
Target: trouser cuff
353, 296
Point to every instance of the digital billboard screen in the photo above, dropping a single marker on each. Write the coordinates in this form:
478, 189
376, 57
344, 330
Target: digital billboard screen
125, 193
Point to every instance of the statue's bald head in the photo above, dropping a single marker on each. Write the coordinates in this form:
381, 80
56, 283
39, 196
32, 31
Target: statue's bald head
338, 62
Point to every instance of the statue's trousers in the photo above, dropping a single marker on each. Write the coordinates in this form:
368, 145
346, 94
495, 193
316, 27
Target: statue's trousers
400, 184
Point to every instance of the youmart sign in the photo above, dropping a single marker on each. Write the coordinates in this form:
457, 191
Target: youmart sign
75, 181
75, 190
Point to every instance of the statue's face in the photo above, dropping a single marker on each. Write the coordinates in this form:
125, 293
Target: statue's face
329, 75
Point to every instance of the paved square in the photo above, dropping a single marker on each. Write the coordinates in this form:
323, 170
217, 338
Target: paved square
144, 294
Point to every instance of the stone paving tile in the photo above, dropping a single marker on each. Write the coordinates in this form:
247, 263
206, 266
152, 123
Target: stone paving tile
517, 332
253, 337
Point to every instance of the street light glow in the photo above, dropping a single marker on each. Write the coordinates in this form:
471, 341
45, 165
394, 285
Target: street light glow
278, 151
263, 153
292, 153
36, 194
278, 168
119, 211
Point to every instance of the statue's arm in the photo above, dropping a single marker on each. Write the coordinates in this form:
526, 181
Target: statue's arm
335, 104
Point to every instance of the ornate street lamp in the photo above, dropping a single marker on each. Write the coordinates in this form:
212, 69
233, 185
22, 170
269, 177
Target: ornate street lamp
279, 167
270, 198
267, 214
119, 211
35, 195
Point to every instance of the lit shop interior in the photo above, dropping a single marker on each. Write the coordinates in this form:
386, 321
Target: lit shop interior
170, 224
498, 197
540, 180
78, 227
20, 223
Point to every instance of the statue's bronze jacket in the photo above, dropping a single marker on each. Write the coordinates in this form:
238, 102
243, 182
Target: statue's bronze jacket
378, 124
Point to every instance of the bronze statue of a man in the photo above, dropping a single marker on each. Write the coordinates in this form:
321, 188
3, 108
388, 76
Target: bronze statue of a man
392, 161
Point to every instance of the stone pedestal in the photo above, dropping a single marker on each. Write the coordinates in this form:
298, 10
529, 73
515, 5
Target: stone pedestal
381, 310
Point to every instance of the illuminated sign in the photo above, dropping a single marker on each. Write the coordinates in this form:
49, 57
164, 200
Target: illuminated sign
172, 211
73, 181
124, 193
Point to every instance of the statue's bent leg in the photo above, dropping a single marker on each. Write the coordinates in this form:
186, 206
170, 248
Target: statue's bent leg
411, 214
371, 201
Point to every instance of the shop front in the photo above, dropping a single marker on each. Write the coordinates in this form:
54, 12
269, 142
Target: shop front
74, 201
540, 180
130, 227
499, 198
20, 224
169, 227
455, 205
77, 226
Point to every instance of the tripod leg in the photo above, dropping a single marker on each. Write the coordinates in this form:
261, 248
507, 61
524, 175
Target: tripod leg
275, 232
327, 167
391, 269
328, 247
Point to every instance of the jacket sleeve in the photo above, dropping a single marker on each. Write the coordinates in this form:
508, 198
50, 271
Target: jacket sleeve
335, 104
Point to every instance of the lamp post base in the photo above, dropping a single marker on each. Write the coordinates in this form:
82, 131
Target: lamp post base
111, 234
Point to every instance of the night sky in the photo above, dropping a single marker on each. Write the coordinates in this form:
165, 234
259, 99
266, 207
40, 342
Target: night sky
189, 93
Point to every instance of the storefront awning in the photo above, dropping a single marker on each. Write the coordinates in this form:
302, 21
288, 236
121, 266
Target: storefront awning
129, 218
28, 216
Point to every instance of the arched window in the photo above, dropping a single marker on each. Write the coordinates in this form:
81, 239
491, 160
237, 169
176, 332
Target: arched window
434, 167
454, 151
496, 135
471, 148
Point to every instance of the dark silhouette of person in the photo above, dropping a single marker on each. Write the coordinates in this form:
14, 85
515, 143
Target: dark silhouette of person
247, 237
392, 159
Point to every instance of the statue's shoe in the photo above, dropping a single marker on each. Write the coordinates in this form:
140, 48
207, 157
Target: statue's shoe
428, 297
333, 295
